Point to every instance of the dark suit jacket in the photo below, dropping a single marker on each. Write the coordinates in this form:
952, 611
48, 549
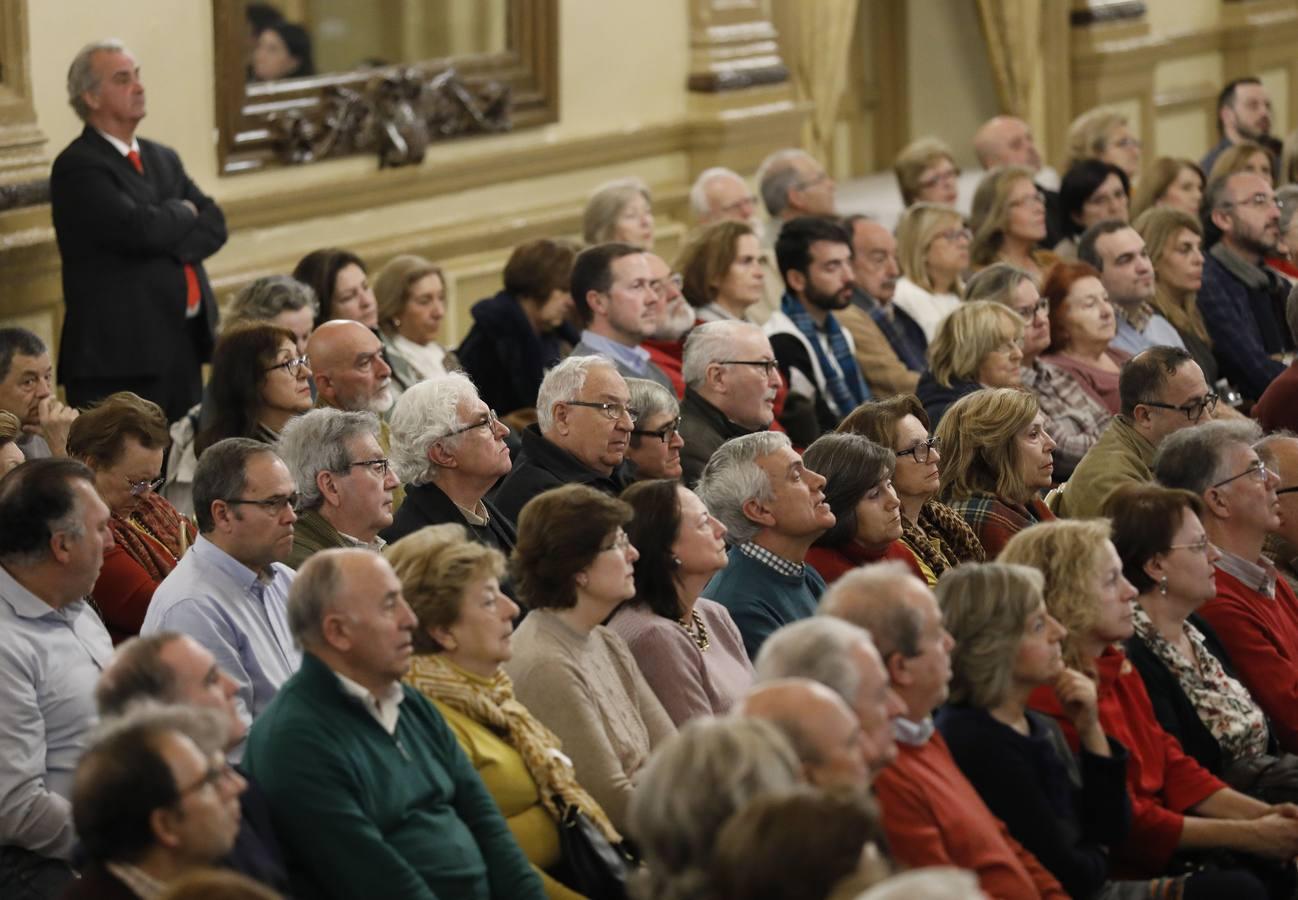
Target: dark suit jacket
542, 465
124, 238
427, 504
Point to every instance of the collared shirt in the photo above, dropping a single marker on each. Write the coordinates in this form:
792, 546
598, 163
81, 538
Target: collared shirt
1259, 576
50, 660
141, 883
33, 446
478, 517
385, 710
119, 145
913, 734
634, 358
767, 558
376, 545
241, 617
1142, 328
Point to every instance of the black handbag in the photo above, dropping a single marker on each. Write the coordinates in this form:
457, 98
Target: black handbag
592, 866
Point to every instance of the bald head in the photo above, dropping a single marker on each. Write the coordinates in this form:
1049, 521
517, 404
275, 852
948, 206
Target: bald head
349, 369
822, 728
1006, 141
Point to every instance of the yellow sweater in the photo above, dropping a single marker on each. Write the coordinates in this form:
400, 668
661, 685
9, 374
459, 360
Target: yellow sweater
502, 770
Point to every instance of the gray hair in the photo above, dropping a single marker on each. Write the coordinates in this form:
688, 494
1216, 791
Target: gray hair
727, 762
868, 598
732, 477
267, 297
1266, 446
313, 593
81, 74
1193, 458
425, 413
316, 442
996, 283
205, 727
699, 204
17, 341
817, 649
1287, 197
707, 344
221, 474
564, 382
776, 176
932, 883
606, 204
650, 398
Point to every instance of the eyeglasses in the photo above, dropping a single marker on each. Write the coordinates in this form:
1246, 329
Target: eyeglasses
1008, 347
1128, 143
380, 465
937, 178
488, 421
1288, 490
1193, 410
613, 411
620, 542
1257, 469
738, 205
270, 504
294, 367
1257, 201
1033, 199
955, 234
819, 178
659, 285
769, 365
1036, 309
920, 451
664, 434
215, 774
147, 486
1199, 546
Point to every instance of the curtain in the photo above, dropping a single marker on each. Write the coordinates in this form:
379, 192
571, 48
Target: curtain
1012, 29
822, 40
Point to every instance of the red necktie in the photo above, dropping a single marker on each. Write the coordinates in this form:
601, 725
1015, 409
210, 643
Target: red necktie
193, 295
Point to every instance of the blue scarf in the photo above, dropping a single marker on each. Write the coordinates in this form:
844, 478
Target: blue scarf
843, 381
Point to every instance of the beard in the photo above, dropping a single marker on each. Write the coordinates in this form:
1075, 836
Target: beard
1258, 241
680, 319
381, 402
831, 302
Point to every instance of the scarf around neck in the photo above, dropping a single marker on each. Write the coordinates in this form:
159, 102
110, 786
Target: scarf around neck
843, 380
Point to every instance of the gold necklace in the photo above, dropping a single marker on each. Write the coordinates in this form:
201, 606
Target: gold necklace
699, 633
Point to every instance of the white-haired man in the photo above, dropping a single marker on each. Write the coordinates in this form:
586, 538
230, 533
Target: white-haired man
720, 195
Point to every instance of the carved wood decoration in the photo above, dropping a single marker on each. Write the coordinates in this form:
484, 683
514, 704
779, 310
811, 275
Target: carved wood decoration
392, 111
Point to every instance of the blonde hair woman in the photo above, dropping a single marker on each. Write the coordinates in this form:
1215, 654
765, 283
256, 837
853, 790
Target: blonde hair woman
998, 459
1104, 133
926, 172
1174, 242
1246, 156
411, 294
1177, 183
1177, 806
933, 250
721, 271
1009, 221
461, 644
620, 210
979, 345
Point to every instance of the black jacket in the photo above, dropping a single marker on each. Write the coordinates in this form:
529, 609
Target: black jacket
704, 428
427, 504
124, 239
503, 355
542, 465
937, 399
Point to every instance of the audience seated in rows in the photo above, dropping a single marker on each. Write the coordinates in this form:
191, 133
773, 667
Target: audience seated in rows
979, 345
1082, 329
933, 250
619, 211
654, 450
230, 591
820, 726
369, 789
685, 644
448, 449
461, 643
999, 457
411, 297
27, 391
773, 508
344, 481
573, 567
934, 533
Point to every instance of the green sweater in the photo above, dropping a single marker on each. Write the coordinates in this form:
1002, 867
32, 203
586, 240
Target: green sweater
362, 813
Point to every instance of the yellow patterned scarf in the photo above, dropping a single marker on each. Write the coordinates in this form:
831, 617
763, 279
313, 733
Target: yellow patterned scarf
491, 703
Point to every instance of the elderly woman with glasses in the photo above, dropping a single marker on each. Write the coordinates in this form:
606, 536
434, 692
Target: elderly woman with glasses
1181, 813
933, 251
999, 458
932, 531
926, 173
687, 646
1009, 222
259, 382
656, 442
980, 345
573, 567
448, 449
620, 210
122, 439
462, 642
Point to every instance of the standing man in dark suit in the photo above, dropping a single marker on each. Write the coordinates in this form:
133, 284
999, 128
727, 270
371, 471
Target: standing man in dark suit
133, 232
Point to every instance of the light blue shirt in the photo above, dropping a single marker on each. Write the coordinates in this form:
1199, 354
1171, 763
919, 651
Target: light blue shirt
241, 618
50, 660
1158, 333
634, 358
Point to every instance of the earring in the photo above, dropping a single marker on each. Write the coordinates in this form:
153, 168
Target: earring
676, 562
581, 578
1162, 586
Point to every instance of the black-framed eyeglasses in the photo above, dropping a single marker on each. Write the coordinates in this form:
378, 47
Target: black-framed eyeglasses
1257, 201
1257, 469
139, 488
664, 434
294, 367
488, 421
921, 450
217, 772
1193, 410
270, 504
1288, 490
769, 365
612, 411
379, 465
1199, 546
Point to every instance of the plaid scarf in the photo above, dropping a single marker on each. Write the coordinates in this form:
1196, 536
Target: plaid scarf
843, 380
941, 539
155, 535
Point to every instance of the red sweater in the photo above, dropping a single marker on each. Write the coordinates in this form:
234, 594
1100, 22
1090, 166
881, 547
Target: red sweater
834, 562
667, 355
1162, 780
1261, 636
934, 817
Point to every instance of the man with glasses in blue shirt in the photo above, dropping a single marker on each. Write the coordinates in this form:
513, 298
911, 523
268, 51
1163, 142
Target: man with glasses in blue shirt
230, 591
344, 479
